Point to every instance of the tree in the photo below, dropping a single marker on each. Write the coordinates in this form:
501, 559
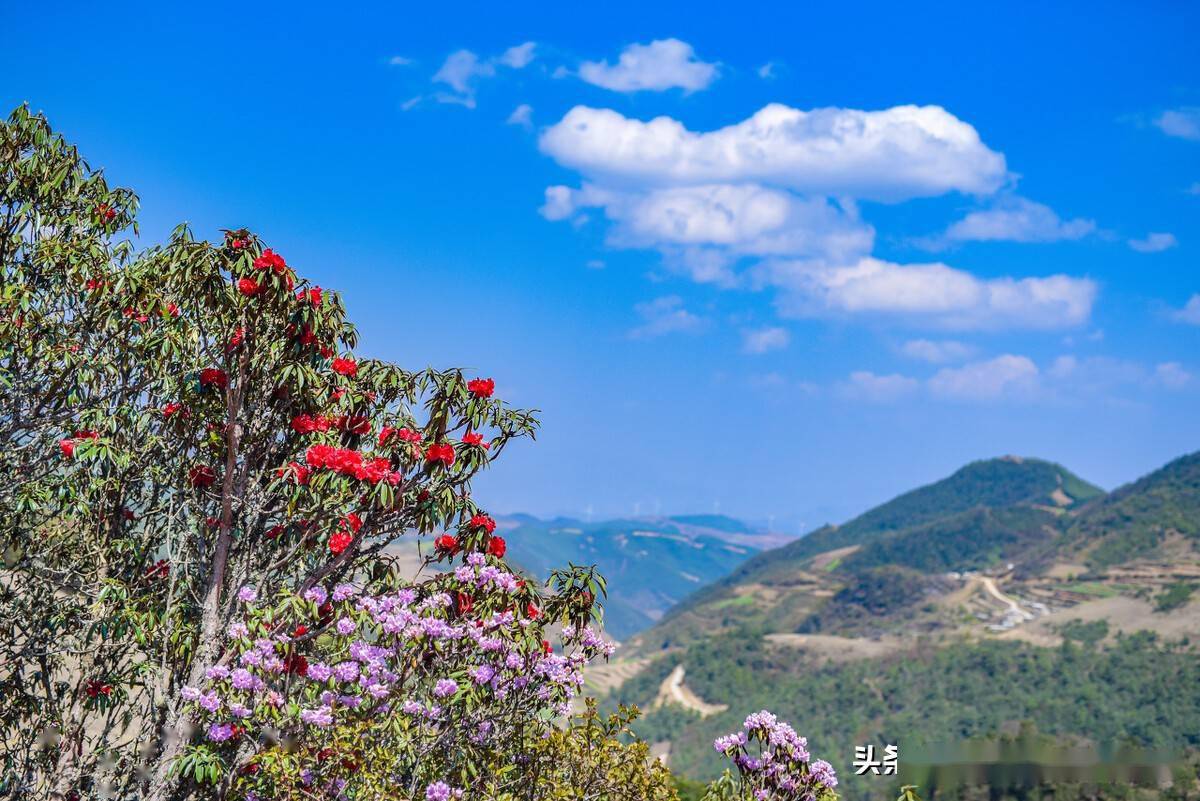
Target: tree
197, 597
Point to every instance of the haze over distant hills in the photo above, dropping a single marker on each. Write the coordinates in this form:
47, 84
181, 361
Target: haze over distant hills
650, 563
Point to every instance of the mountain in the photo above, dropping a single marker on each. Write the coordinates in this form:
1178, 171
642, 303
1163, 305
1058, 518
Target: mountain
650, 563
1141, 518
1012, 595
987, 512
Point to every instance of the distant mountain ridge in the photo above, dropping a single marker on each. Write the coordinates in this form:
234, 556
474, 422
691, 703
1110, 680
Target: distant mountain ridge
650, 563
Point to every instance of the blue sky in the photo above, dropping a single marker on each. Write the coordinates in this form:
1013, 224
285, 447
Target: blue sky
854, 250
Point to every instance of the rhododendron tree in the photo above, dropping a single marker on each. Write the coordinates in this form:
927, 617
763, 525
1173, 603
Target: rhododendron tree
202, 482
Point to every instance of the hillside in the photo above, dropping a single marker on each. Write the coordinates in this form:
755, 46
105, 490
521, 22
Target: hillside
651, 564
1010, 593
1138, 519
986, 513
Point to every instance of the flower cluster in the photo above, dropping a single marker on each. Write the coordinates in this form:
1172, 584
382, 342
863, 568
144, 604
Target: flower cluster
774, 761
351, 463
452, 656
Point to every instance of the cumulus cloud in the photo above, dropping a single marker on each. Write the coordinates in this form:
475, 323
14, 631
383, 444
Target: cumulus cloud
734, 219
660, 65
1155, 242
1016, 220
902, 152
1002, 377
761, 340
772, 202
1183, 123
1190, 313
463, 69
868, 386
665, 315
936, 293
936, 352
522, 115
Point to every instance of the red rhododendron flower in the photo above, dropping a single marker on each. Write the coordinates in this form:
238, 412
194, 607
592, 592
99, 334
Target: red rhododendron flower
237, 244
354, 424
307, 423
443, 453
496, 547
475, 439
313, 296
296, 470
270, 260
202, 476
340, 541
247, 286
408, 435
171, 408
385, 434
447, 543
273, 532
85, 433
546, 647
353, 521
345, 366
212, 377
484, 522
172, 310
465, 604
105, 212
532, 611
300, 630
96, 687
67, 446
295, 664
481, 387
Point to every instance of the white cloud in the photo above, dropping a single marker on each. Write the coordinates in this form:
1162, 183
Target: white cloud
462, 70
1172, 375
665, 315
1183, 123
595, 264
1154, 243
933, 293
663, 64
1017, 220
400, 61
761, 340
519, 56
902, 152
772, 202
734, 219
1194, 189
1190, 313
522, 115
1002, 377
767, 71
937, 352
868, 386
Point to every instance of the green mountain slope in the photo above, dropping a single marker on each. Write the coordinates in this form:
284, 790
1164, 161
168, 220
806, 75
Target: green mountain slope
987, 511
1137, 518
